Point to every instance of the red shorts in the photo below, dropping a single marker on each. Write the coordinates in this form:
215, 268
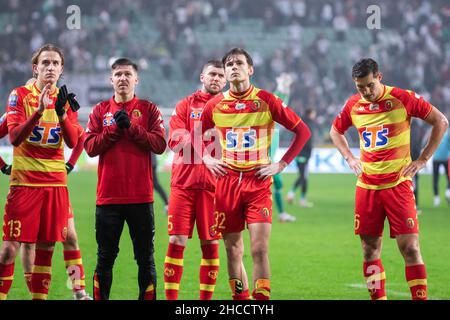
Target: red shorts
242, 198
36, 214
187, 207
397, 204
70, 215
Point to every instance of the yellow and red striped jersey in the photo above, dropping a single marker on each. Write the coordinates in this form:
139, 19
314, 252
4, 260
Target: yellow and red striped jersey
39, 159
245, 123
384, 132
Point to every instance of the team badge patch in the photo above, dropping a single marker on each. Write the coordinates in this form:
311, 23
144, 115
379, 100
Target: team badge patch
256, 105
389, 105
108, 119
374, 107
136, 113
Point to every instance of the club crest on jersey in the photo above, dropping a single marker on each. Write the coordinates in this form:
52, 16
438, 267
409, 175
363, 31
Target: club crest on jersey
240, 138
240, 106
13, 99
136, 113
375, 136
256, 105
108, 119
389, 105
196, 114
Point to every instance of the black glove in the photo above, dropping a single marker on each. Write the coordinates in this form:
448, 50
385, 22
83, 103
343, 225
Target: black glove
61, 101
7, 169
73, 102
69, 167
122, 119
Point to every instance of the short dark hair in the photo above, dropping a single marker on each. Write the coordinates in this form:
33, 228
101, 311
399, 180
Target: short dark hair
124, 62
214, 63
236, 51
364, 67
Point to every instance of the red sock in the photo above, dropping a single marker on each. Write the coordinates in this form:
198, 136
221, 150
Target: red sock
238, 293
42, 274
75, 269
416, 276
27, 276
173, 270
375, 279
209, 269
6, 279
262, 289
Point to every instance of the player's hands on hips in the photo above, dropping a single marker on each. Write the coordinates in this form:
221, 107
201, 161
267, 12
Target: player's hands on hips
44, 99
270, 170
61, 101
216, 166
413, 168
122, 119
355, 164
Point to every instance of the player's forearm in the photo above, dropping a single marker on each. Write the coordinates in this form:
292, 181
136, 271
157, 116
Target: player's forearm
302, 134
69, 132
77, 150
440, 125
341, 143
18, 133
153, 140
97, 143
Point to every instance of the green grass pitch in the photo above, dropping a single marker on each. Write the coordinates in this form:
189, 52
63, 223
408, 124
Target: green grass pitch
316, 257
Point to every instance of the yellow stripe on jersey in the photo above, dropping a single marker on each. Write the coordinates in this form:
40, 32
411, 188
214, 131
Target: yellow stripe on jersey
389, 166
249, 163
382, 186
394, 142
7, 278
367, 120
150, 288
3, 296
382, 298
79, 283
242, 119
41, 165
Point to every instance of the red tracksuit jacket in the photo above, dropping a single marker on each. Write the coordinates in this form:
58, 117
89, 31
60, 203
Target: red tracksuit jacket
188, 175
124, 168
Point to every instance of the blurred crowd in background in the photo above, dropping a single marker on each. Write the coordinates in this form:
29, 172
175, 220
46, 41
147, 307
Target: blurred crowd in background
316, 41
